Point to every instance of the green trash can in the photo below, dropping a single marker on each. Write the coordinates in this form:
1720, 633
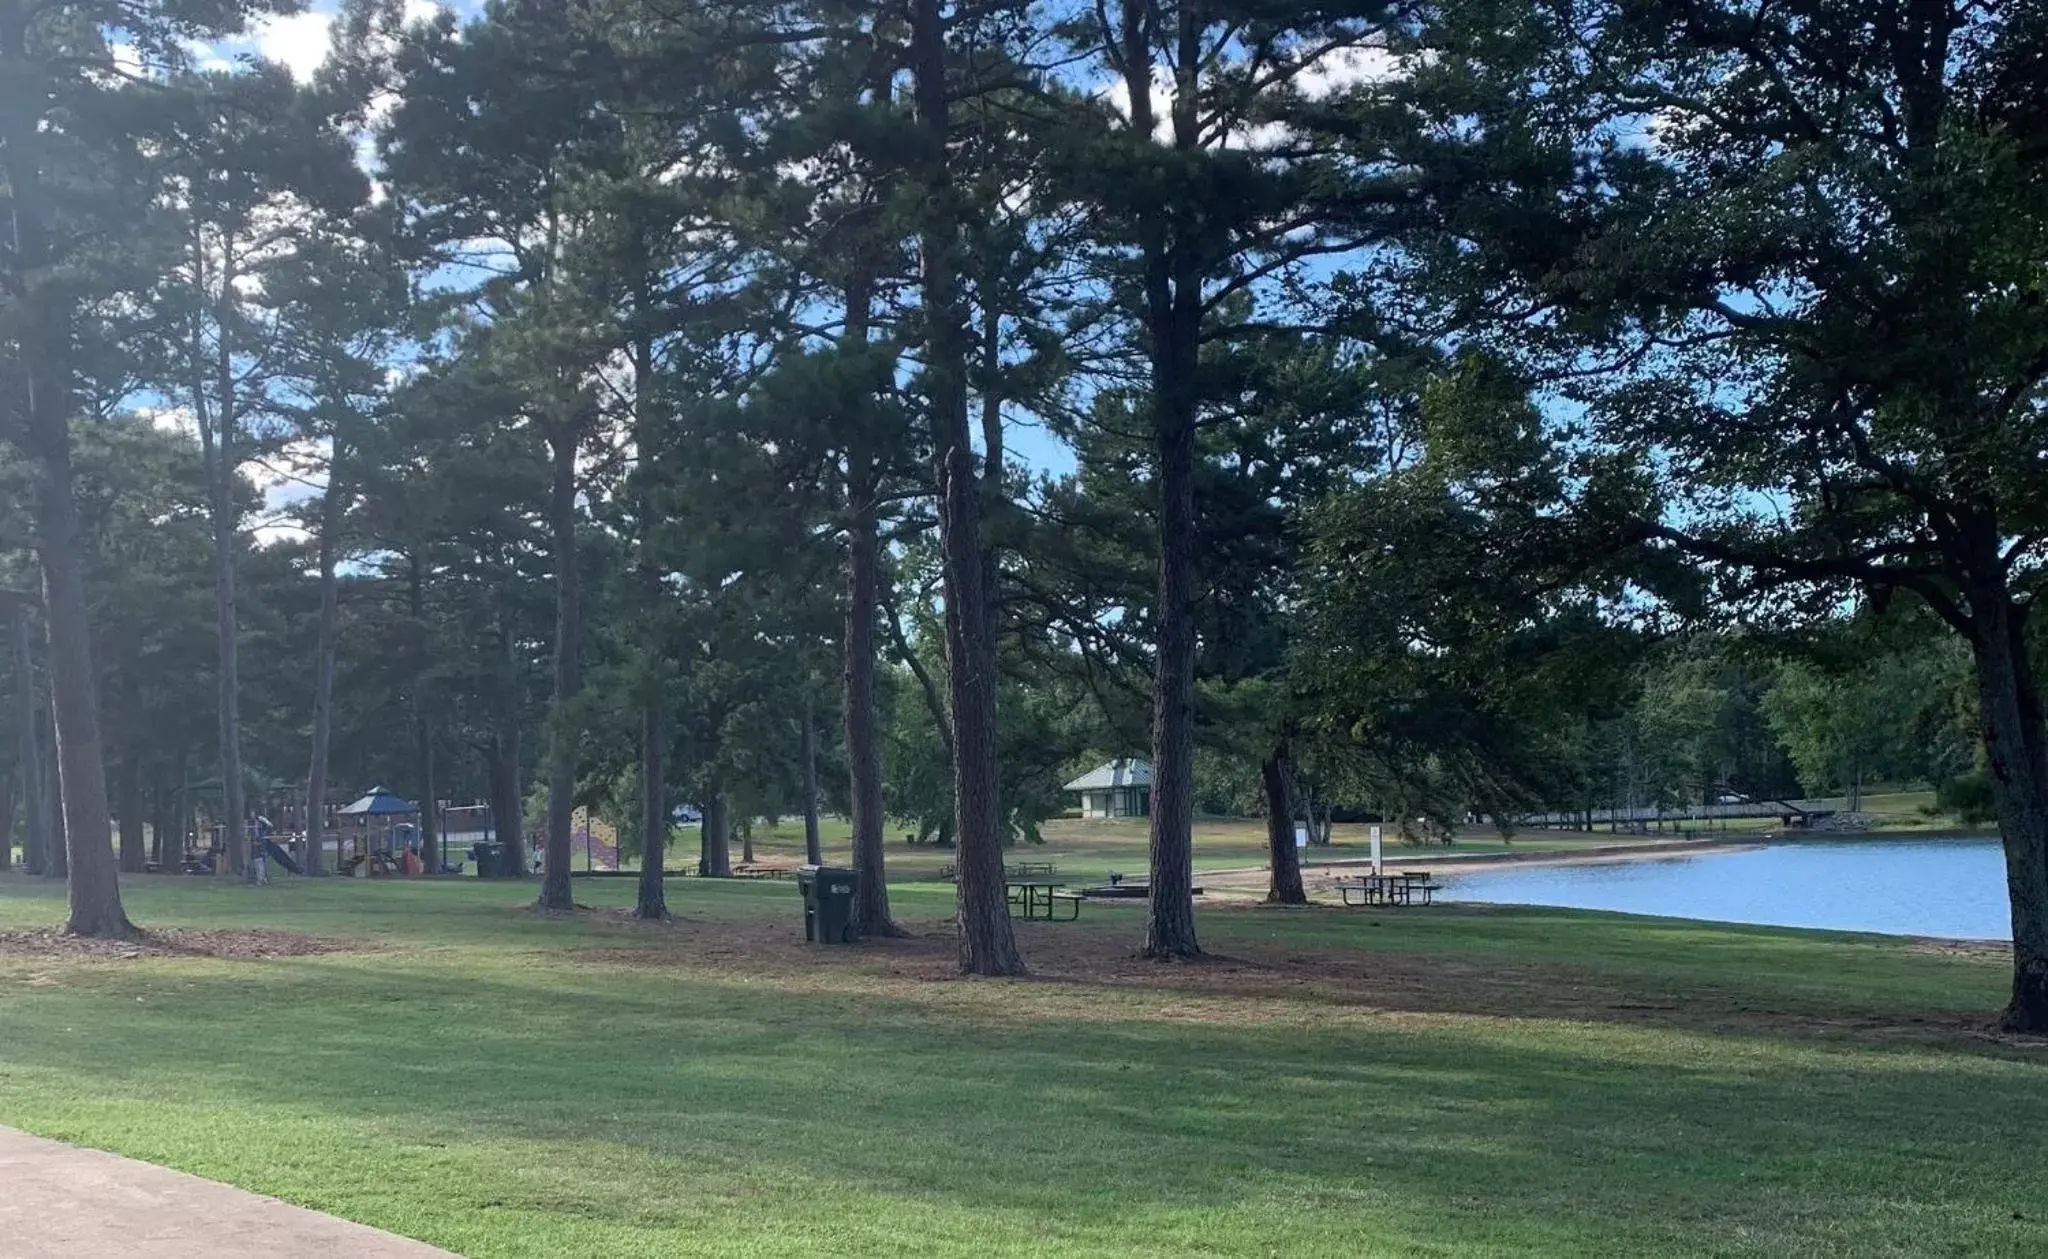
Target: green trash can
828, 893
486, 858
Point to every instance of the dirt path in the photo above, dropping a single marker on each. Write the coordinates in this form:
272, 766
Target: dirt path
62, 1202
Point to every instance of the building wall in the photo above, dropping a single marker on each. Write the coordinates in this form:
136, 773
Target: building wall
1114, 802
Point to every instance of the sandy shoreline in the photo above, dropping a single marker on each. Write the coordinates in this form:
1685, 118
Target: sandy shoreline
1242, 877
1645, 849
1323, 875
1653, 850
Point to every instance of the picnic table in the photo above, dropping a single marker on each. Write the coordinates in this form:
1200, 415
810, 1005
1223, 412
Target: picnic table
1019, 870
1037, 897
1409, 887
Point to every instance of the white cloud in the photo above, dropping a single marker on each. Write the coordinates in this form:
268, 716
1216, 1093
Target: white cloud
422, 10
1264, 136
1347, 67
298, 41
1162, 102
172, 420
207, 56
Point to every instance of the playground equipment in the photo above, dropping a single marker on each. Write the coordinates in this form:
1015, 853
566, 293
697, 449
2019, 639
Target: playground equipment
280, 856
589, 850
378, 824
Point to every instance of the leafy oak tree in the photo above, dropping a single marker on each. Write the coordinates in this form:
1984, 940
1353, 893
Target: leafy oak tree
1790, 261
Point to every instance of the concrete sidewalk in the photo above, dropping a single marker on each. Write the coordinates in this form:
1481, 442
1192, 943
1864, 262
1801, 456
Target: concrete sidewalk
61, 1202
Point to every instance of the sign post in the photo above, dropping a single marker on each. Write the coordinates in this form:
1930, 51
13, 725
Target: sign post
1375, 832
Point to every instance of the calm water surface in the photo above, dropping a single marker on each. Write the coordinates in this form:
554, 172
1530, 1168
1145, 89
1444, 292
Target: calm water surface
1953, 888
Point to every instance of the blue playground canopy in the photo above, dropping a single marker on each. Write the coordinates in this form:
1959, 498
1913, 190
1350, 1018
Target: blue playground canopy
379, 803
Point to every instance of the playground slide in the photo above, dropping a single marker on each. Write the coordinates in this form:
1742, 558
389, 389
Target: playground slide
280, 856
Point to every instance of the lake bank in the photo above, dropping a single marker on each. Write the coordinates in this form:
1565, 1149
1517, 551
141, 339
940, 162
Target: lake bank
1322, 874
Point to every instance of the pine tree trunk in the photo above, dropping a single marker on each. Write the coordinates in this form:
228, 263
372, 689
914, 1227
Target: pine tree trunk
653, 899
2016, 744
861, 723
422, 722
990, 350
508, 794
43, 333
814, 851
1170, 925
35, 812
1285, 885
93, 884
654, 819
715, 836
508, 802
1173, 316
159, 821
217, 424
233, 807
988, 943
871, 916
430, 798
59, 861
134, 840
563, 739
181, 811
315, 860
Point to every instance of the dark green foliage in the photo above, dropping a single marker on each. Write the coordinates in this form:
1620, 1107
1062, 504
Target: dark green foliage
1968, 797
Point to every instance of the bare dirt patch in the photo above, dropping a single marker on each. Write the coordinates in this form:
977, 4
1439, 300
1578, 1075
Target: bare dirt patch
1098, 974
242, 945
1962, 948
1386, 981
537, 910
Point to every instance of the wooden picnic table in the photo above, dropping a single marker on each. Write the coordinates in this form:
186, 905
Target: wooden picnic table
1409, 887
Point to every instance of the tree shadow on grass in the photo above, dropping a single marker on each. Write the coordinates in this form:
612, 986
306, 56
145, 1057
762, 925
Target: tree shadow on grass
1003, 1102
1746, 988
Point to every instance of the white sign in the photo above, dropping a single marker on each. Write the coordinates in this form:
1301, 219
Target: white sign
1375, 833
1300, 835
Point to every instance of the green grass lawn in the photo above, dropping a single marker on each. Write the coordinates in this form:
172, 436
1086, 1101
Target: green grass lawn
1448, 1082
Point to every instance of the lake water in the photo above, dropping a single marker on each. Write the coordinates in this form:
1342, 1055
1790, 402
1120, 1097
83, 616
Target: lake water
1953, 888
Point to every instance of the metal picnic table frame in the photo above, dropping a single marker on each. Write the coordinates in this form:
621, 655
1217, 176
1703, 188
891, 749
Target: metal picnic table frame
1388, 889
1012, 871
1030, 894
